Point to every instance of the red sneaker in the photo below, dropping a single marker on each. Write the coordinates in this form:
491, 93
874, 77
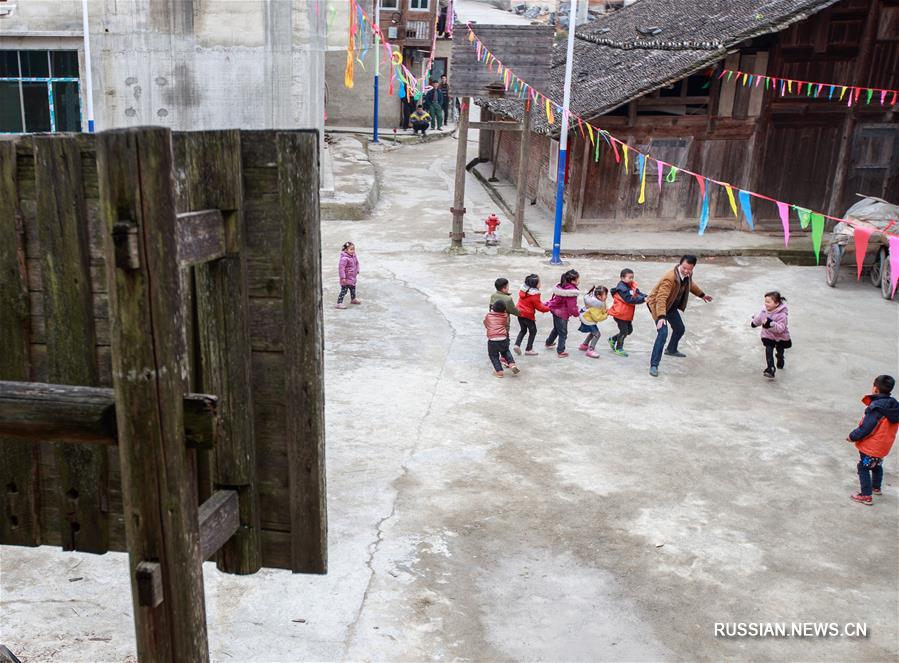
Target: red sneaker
583, 347
862, 499
876, 491
563, 354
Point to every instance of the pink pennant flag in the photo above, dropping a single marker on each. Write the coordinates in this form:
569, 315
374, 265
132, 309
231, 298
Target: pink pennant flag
784, 211
894, 264
758, 80
660, 167
861, 235
818, 91
883, 96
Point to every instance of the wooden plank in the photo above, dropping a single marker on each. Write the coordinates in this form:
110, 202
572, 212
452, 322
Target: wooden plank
458, 208
82, 487
150, 591
149, 375
40, 412
304, 380
219, 519
524, 145
213, 179
495, 126
20, 524
201, 236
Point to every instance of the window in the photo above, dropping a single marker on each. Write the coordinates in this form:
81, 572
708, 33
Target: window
419, 5
553, 160
39, 91
390, 4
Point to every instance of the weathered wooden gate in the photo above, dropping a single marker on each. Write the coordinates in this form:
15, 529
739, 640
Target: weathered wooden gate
160, 310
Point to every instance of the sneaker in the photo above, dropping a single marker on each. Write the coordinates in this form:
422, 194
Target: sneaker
583, 347
593, 354
497, 374
768, 373
550, 345
876, 491
674, 353
562, 354
654, 371
620, 352
612, 344
356, 301
862, 499
780, 364
340, 306
515, 369
531, 353
517, 349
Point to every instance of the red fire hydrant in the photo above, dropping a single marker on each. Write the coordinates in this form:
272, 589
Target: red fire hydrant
490, 238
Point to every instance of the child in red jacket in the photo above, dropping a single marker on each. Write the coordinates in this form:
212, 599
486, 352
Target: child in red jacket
874, 437
528, 304
625, 297
497, 324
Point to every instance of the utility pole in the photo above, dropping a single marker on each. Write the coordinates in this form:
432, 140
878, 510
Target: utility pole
458, 208
88, 82
521, 193
377, 17
563, 138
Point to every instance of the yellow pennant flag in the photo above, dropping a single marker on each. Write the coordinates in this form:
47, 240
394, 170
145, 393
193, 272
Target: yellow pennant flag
745, 78
624, 147
471, 36
642, 198
730, 198
549, 114
590, 131
843, 92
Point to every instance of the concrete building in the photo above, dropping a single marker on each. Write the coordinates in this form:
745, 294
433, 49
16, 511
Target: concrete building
185, 64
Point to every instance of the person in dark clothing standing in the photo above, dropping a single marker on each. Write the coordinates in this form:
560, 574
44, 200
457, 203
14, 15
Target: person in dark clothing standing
444, 88
434, 105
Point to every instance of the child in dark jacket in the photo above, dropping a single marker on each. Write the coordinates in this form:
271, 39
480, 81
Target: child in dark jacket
625, 297
497, 324
874, 437
528, 305
563, 306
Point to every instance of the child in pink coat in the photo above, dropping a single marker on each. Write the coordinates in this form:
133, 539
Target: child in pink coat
348, 269
775, 333
563, 306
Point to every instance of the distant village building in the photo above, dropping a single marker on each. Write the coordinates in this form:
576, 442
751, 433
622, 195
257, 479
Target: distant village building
184, 64
643, 74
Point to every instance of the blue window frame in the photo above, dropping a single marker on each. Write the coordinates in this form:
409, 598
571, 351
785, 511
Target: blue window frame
39, 91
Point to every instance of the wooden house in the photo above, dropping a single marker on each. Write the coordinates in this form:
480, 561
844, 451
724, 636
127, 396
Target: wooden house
644, 74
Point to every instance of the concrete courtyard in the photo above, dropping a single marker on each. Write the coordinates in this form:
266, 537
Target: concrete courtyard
580, 511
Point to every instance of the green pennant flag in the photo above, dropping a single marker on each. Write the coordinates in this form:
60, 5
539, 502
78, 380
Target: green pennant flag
804, 216
870, 94
671, 177
817, 233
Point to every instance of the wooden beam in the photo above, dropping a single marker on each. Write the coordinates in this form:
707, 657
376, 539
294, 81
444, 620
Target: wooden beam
524, 155
201, 236
458, 208
495, 126
38, 412
82, 487
304, 352
219, 519
134, 168
20, 520
149, 584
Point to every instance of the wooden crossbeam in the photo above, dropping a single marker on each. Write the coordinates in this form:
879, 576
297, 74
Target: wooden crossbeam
38, 412
495, 126
200, 236
219, 520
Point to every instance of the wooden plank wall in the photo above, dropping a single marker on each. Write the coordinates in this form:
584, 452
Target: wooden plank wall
264, 213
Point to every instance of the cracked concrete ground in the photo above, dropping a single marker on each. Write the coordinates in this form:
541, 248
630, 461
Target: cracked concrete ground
581, 511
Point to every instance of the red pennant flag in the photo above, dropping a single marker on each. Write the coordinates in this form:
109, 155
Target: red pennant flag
861, 235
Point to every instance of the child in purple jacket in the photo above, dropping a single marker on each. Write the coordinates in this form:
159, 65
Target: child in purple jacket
775, 333
563, 306
348, 270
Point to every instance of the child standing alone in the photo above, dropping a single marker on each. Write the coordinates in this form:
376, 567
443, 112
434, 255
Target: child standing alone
348, 269
497, 324
625, 297
775, 334
528, 304
563, 306
874, 437
592, 314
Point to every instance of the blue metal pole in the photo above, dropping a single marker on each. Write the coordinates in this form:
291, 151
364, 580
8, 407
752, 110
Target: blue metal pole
377, 16
375, 133
560, 201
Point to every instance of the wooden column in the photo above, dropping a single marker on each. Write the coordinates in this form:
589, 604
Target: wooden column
524, 153
458, 208
19, 521
82, 487
149, 370
213, 179
304, 349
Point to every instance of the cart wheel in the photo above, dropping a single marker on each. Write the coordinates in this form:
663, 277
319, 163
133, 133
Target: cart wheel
832, 268
874, 274
885, 274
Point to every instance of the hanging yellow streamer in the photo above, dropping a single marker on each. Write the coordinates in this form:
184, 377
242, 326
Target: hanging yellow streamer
590, 131
624, 147
350, 48
471, 36
730, 198
549, 114
642, 198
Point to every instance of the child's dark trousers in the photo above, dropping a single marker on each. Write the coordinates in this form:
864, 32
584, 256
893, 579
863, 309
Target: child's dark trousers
870, 473
528, 327
495, 349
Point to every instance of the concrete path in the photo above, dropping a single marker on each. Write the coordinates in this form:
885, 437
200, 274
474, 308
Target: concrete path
581, 511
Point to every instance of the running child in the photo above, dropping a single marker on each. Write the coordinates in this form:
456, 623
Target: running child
775, 334
874, 437
502, 295
348, 270
528, 304
625, 297
563, 306
497, 324
592, 314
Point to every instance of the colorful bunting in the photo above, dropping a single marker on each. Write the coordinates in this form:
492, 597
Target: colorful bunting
861, 235
894, 264
671, 178
624, 149
704, 215
817, 233
730, 199
812, 88
746, 207
642, 163
804, 216
784, 211
549, 114
660, 168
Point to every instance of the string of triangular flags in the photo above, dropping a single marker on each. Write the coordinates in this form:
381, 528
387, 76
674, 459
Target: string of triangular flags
622, 153
791, 86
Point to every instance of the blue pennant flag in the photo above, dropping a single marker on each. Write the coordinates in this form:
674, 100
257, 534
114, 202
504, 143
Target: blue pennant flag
747, 209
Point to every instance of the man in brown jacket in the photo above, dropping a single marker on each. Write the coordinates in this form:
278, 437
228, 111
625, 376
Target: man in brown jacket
665, 303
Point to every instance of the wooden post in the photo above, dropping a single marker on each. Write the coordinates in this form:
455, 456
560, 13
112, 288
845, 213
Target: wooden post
149, 373
82, 488
304, 349
458, 208
19, 524
214, 180
524, 152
